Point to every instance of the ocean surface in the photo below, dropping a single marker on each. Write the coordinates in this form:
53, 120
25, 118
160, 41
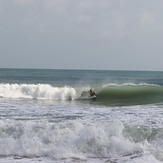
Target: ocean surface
43, 119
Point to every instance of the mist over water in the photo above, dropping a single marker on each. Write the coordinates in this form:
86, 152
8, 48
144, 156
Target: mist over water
42, 118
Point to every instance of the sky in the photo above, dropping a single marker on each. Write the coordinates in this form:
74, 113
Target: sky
82, 34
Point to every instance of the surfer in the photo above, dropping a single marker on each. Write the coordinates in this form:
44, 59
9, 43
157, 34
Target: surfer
92, 93
88, 95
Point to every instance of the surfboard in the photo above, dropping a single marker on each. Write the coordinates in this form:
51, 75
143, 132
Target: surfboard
87, 97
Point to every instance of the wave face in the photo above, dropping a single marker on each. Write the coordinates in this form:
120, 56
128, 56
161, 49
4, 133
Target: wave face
36, 91
130, 94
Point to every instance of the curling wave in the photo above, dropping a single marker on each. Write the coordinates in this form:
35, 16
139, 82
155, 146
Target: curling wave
130, 94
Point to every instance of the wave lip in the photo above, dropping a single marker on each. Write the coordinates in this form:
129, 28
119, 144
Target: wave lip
36, 91
128, 84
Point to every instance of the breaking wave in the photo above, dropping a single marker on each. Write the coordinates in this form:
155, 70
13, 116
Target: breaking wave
110, 94
36, 91
63, 140
60, 141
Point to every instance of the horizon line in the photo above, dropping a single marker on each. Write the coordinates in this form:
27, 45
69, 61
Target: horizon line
81, 69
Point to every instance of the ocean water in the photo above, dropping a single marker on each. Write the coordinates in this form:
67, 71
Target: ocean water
42, 118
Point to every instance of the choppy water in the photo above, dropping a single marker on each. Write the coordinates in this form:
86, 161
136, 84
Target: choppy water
41, 118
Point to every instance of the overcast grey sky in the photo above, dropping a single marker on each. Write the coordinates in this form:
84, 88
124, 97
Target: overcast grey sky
82, 34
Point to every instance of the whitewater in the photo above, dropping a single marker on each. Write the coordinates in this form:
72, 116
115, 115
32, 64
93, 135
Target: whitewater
36, 91
42, 118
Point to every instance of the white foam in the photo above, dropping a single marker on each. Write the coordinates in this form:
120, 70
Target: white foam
64, 140
37, 91
128, 84
143, 159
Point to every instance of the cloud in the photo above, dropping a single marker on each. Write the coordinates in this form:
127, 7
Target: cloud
106, 19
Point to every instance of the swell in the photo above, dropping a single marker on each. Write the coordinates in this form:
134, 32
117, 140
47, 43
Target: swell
130, 94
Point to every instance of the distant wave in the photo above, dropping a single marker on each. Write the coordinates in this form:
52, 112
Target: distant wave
36, 91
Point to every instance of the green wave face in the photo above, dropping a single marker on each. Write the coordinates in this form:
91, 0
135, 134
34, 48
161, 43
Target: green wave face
130, 95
